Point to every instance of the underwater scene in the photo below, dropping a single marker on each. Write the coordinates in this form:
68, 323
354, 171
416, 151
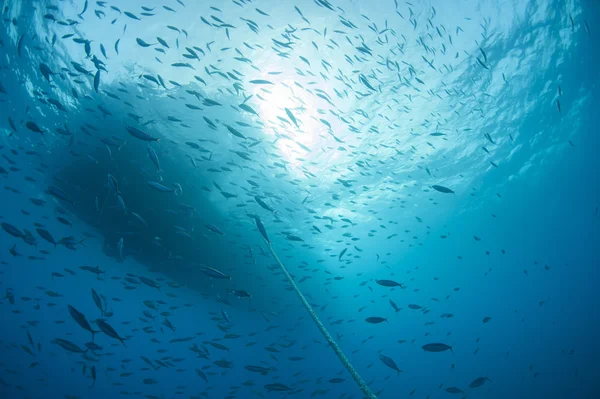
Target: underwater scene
299, 199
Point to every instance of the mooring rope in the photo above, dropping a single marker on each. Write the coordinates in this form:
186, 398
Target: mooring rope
361, 383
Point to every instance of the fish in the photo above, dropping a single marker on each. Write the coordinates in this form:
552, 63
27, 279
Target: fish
389, 283
375, 320
12, 230
258, 369
68, 345
160, 188
214, 273
477, 382
46, 236
81, 320
137, 133
60, 194
436, 347
143, 43
108, 330
34, 127
277, 387
93, 372
149, 282
263, 204
389, 362
154, 158
442, 189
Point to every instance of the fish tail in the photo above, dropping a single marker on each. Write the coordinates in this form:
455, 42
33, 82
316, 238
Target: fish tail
73, 204
123, 341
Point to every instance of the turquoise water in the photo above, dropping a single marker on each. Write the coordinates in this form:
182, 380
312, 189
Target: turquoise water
427, 173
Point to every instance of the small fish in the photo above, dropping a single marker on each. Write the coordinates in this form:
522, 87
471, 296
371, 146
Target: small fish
442, 189
137, 133
390, 363
375, 320
436, 347
477, 382
389, 283
68, 345
81, 320
154, 158
108, 330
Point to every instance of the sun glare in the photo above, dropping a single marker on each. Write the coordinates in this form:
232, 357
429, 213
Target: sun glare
289, 115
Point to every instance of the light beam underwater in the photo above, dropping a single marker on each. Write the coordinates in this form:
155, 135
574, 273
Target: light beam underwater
338, 351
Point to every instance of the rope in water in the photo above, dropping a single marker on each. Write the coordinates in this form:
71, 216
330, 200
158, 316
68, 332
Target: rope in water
361, 383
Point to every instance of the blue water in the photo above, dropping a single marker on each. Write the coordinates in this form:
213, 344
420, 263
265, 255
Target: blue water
450, 147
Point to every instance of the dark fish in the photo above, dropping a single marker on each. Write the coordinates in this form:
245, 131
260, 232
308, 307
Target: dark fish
263, 204
277, 387
81, 320
97, 81
93, 371
34, 127
389, 283
97, 300
137, 133
202, 375
442, 189
149, 282
68, 345
477, 382
261, 228
214, 229
12, 230
60, 194
46, 71
130, 15
214, 273
108, 330
436, 347
375, 320
46, 236
390, 363
143, 43
257, 369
